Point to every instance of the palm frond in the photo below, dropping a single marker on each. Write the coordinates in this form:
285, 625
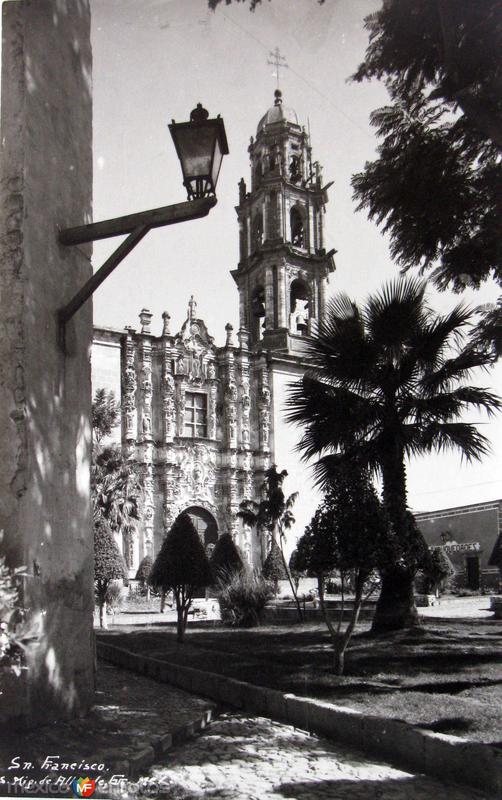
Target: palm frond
330, 416
393, 314
453, 370
462, 436
448, 406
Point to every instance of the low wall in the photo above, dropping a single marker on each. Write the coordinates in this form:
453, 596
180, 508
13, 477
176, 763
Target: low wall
279, 614
445, 757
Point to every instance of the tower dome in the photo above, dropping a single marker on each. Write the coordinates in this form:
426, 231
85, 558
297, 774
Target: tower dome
277, 113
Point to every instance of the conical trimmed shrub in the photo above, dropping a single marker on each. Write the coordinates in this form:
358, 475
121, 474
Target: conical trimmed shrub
225, 559
181, 566
273, 568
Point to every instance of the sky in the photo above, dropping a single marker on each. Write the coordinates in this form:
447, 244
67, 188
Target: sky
153, 61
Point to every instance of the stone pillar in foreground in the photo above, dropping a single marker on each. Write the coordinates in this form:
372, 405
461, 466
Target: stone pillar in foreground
45, 394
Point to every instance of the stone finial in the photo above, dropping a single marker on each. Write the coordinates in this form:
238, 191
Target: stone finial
242, 190
192, 308
166, 320
229, 329
145, 318
243, 337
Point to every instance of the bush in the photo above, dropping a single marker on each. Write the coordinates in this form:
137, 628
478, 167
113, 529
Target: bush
225, 558
144, 569
113, 598
242, 597
333, 586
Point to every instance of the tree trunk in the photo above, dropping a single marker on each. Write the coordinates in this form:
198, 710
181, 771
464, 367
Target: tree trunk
180, 628
395, 608
103, 623
290, 579
341, 642
180, 614
162, 600
339, 660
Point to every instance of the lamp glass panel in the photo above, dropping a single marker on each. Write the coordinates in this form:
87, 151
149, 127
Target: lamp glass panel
196, 147
218, 157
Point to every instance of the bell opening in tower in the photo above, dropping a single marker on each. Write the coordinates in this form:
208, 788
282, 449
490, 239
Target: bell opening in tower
297, 227
299, 307
258, 313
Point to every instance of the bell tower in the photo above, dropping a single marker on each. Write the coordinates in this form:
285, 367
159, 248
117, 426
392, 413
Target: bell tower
283, 263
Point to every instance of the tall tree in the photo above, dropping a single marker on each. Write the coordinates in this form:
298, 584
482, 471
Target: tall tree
436, 184
105, 414
108, 565
181, 566
115, 486
274, 515
351, 533
115, 491
386, 383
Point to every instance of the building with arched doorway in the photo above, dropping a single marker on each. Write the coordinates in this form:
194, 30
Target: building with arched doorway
204, 422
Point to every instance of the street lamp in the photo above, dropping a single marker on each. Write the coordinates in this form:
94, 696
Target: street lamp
200, 144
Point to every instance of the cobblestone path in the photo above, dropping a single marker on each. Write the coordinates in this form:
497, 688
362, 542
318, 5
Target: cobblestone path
240, 757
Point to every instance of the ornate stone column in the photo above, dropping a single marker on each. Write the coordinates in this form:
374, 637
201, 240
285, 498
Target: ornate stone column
148, 501
242, 306
146, 437
230, 408
168, 396
282, 301
212, 400
129, 412
269, 297
264, 400
168, 483
145, 385
322, 296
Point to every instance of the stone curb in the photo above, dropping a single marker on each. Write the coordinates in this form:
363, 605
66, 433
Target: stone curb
446, 757
132, 763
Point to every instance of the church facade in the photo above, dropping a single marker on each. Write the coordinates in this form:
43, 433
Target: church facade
202, 422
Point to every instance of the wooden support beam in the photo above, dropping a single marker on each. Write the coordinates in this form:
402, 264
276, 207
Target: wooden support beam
155, 218
136, 226
118, 255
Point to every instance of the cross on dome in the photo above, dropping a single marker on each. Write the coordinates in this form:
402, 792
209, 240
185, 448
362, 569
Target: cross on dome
278, 61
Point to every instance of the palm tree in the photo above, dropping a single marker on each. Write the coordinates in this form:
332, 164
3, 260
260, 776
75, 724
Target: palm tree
274, 514
386, 383
115, 491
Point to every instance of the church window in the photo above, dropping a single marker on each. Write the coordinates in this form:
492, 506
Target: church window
297, 229
195, 415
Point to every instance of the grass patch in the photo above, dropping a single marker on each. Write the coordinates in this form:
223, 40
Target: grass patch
445, 676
